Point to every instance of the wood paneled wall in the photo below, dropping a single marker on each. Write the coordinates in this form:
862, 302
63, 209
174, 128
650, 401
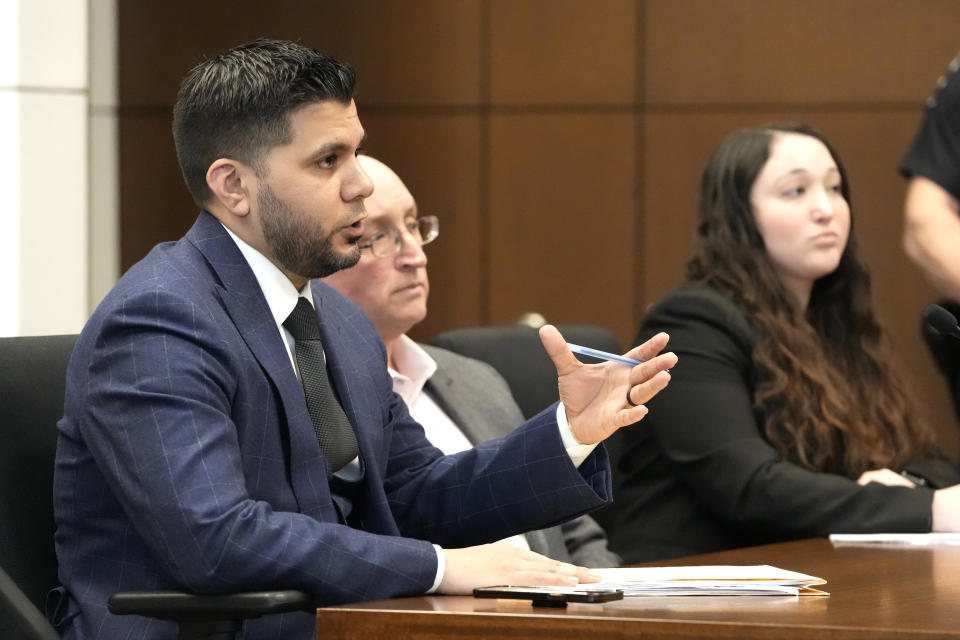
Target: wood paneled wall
561, 141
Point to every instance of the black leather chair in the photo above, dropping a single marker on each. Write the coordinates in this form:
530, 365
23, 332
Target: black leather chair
32, 380
516, 353
945, 350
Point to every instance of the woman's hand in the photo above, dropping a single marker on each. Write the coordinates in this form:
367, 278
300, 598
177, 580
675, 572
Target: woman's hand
885, 476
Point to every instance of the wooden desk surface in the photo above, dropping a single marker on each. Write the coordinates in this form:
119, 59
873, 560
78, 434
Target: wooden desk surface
876, 594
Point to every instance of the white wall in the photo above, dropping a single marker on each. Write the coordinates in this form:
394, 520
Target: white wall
104, 153
55, 139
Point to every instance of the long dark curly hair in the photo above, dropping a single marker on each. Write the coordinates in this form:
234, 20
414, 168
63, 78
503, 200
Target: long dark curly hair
826, 388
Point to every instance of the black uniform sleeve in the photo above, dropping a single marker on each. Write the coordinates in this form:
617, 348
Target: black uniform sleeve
935, 152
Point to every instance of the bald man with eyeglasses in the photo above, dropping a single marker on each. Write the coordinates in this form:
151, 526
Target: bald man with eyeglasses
459, 401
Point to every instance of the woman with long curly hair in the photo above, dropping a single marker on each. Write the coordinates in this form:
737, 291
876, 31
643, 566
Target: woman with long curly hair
784, 417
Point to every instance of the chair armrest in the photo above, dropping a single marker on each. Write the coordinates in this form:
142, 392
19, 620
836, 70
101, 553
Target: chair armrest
177, 605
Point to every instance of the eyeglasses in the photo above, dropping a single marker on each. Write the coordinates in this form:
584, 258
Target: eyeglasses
386, 244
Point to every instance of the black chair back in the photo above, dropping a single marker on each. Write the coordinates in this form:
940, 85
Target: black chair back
32, 379
516, 353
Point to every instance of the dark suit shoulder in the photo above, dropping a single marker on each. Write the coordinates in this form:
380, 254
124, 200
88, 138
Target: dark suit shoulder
699, 303
699, 317
473, 394
449, 361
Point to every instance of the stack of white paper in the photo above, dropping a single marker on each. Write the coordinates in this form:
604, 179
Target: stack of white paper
896, 539
714, 580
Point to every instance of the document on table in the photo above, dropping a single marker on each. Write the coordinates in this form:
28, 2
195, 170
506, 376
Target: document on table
896, 539
707, 580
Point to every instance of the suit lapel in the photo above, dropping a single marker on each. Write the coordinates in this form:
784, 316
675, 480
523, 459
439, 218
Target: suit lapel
464, 406
443, 389
247, 307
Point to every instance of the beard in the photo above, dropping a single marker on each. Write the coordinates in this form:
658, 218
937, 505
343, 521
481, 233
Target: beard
299, 244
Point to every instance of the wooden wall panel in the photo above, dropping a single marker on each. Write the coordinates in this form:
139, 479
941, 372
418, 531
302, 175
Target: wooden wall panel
562, 52
561, 218
408, 52
785, 51
155, 203
438, 158
160, 41
414, 51
561, 142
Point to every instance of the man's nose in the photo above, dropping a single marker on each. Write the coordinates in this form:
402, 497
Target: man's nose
357, 185
411, 250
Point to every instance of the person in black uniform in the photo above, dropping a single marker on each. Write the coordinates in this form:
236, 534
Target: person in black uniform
785, 418
931, 212
931, 232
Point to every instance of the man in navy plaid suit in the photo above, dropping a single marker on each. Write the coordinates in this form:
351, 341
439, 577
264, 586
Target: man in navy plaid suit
187, 456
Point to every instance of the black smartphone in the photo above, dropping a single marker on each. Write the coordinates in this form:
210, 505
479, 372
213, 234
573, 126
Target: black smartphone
546, 597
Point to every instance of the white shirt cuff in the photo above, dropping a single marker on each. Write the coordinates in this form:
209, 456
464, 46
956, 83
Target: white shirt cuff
441, 567
577, 452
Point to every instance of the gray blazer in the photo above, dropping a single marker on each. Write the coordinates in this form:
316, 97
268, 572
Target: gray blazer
478, 399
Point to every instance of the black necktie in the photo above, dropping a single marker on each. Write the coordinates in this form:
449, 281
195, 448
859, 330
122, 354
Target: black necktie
334, 432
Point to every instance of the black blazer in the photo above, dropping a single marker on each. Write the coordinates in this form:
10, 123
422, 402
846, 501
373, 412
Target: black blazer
696, 475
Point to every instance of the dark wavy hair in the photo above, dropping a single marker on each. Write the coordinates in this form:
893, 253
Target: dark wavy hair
827, 391
237, 104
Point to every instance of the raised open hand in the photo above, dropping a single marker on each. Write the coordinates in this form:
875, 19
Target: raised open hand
596, 396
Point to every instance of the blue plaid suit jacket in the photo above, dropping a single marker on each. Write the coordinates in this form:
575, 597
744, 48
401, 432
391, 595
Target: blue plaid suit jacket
187, 458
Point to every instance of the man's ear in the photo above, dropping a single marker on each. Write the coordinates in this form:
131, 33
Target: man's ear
231, 182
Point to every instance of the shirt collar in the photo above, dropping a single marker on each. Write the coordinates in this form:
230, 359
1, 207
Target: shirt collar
280, 293
414, 368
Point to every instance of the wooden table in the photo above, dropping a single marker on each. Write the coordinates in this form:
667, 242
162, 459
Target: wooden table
876, 594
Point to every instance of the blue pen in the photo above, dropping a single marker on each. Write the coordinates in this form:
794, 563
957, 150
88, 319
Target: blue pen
603, 355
